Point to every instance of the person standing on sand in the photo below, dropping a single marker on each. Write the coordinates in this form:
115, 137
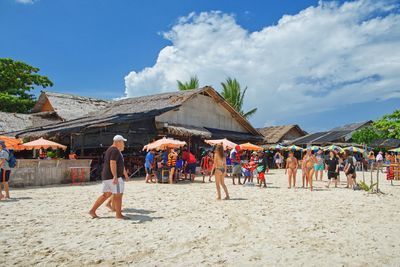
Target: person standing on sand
236, 164
219, 168
5, 170
261, 168
332, 167
319, 165
291, 169
308, 168
171, 163
149, 166
113, 171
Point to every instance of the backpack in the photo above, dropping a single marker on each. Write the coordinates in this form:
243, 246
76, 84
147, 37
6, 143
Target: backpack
12, 160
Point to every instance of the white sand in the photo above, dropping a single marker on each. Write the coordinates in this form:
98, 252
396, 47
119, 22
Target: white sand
183, 225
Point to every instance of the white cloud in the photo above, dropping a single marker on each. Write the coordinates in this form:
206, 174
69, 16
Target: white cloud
319, 59
25, 1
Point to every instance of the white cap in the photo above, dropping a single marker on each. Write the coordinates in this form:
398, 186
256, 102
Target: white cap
119, 138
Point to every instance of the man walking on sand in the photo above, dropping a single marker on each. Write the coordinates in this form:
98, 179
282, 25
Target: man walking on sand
5, 170
113, 171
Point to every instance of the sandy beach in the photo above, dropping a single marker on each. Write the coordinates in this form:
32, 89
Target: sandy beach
183, 225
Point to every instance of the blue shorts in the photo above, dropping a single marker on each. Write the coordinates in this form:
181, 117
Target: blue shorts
191, 168
318, 167
4, 175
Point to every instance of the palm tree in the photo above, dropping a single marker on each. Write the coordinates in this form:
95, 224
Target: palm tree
233, 94
193, 83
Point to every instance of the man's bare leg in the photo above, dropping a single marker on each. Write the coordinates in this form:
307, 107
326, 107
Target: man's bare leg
110, 204
6, 189
118, 206
98, 203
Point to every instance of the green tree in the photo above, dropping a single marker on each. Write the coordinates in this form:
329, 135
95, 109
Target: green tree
365, 135
233, 94
193, 83
389, 125
17, 79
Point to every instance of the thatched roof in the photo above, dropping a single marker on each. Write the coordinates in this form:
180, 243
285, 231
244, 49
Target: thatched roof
386, 143
131, 109
67, 106
276, 134
352, 126
10, 122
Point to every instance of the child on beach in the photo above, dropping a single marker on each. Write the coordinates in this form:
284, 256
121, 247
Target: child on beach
291, 169
206, 165
261, 169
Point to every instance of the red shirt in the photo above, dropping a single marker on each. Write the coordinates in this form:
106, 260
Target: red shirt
189, 157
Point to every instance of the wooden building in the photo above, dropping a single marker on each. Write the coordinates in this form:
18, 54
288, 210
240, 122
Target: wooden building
281, 134
191, 115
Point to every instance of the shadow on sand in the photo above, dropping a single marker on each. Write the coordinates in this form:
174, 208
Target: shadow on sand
15, 199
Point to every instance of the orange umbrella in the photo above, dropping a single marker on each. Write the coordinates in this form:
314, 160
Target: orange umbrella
164, 143
250, 146
42, 143
12, 143
225, 143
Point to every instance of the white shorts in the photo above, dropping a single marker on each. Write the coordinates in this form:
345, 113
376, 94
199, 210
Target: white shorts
118, 188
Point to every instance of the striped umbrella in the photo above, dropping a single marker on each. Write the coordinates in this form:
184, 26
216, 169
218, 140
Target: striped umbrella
334, 148
294, 148
396, 150
276, 147
354, 149
313, 148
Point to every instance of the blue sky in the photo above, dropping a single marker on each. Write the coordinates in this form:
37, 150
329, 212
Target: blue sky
91, 47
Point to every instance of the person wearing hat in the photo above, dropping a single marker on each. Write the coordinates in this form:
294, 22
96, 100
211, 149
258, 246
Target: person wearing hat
112, 173
236, 162
5, 170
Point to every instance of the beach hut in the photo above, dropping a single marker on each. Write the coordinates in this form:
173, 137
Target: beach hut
191, 116
281, 134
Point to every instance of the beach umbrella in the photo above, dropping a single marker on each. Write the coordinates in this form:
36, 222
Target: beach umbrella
164, 143
42, 143
250, 146
12, 143
225, 143
294, 148
396, 150
313, 148
276, 147
334, 148
354, 149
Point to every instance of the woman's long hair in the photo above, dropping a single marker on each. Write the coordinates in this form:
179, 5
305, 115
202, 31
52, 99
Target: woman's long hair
219, 149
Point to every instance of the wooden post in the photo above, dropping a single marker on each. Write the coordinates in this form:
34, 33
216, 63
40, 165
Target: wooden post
377, 177
83, 146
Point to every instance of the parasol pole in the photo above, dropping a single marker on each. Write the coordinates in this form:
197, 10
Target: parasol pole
362, 163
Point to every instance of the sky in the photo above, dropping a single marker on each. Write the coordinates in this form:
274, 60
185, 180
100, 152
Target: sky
318, 64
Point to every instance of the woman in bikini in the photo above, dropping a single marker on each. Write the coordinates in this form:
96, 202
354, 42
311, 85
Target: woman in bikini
291, 169
308, 167
219, 169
